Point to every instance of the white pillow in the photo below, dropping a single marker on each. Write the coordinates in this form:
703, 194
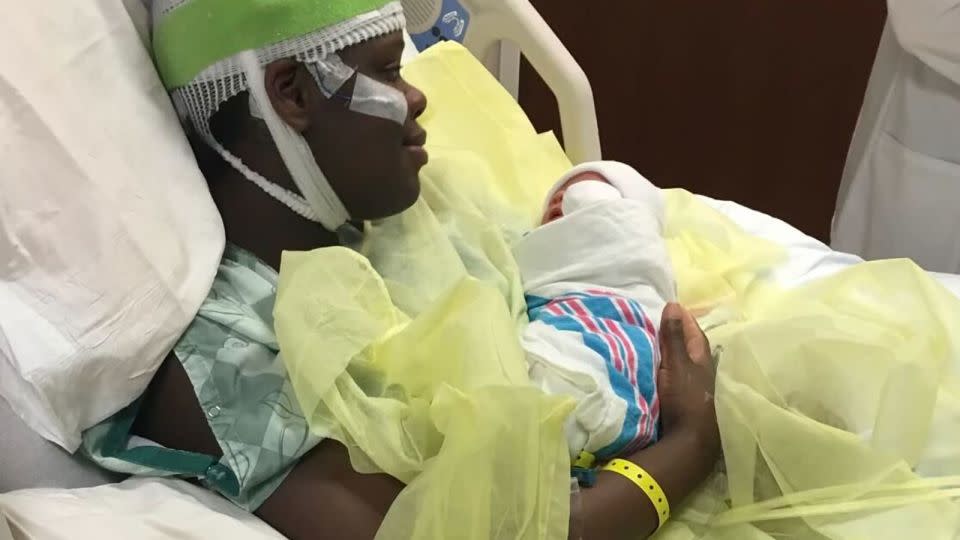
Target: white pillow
137, 508
109, 240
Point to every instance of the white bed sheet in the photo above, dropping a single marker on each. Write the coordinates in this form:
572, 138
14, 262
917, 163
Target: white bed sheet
808, 258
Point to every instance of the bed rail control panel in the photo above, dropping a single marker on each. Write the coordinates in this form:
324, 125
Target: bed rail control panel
433, 21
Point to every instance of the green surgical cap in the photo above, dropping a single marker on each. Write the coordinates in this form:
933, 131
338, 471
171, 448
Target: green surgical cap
191, 35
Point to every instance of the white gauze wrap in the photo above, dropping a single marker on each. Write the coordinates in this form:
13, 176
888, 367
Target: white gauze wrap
370, 97
295, 152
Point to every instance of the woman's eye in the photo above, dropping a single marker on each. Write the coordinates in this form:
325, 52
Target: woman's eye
392, 74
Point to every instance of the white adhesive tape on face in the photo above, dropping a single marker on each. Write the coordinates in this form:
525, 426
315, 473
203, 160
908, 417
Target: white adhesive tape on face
369, 97
374, 98
331, 74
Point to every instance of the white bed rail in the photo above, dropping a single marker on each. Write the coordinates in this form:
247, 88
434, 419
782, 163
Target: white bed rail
506, 22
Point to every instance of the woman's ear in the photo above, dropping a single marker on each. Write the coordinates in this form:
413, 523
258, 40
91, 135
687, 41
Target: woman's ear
289, 87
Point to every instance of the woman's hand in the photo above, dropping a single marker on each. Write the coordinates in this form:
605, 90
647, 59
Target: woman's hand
686, 379
684, 456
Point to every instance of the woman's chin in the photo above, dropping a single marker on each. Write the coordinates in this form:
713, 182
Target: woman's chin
402, 198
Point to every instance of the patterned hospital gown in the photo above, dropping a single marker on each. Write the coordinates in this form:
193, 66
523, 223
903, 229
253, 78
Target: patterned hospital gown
231, 355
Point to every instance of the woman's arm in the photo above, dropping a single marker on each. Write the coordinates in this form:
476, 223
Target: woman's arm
322, 497
616, 508
683, 458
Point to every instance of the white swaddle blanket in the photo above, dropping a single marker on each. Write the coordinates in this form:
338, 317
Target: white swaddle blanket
596, 282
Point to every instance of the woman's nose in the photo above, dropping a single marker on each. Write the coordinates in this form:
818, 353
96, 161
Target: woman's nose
416, 101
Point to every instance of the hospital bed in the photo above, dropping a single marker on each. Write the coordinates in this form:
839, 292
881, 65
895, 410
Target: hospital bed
495, 31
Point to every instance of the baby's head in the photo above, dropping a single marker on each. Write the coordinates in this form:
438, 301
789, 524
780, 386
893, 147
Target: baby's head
578, 192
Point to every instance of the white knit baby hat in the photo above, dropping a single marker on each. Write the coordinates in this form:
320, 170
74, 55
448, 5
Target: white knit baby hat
208, 51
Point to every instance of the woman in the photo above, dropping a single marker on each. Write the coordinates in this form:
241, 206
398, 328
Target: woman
221, 405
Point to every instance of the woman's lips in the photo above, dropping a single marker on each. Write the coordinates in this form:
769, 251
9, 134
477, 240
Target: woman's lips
418, 138
418, 154
413, 144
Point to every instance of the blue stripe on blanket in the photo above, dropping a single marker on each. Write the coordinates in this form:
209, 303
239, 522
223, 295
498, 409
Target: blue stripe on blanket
619, 331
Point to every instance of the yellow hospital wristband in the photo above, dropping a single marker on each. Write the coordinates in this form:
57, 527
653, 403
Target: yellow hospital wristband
646, 483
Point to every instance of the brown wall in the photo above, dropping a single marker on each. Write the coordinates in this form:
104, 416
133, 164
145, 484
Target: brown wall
749, 100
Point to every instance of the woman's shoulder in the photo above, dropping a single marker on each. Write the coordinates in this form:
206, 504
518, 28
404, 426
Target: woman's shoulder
241, 268
239, 305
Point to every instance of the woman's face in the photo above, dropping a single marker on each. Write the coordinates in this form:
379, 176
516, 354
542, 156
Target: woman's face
372, 163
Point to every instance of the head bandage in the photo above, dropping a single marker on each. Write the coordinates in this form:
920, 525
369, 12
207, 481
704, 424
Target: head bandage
187, 37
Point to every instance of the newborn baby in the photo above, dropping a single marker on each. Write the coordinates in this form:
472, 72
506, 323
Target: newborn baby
597, 276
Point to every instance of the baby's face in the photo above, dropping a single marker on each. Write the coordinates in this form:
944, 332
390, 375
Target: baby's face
555, 205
